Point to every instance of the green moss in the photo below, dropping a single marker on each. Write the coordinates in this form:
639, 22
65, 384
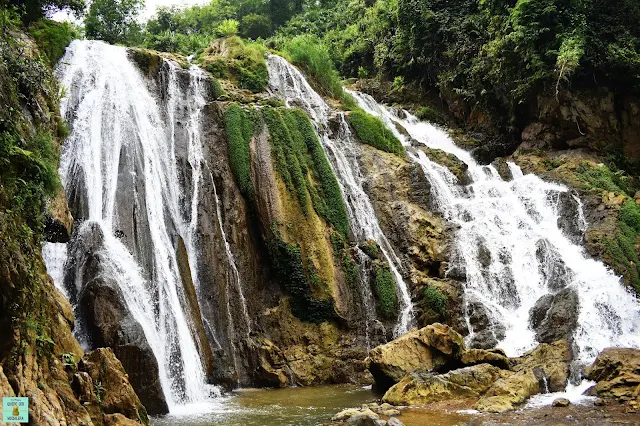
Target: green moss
240, 127
296, 278
372, 131
603, 178
435, 300
385, 290
303, 166
52, 37
370, 248
147, 60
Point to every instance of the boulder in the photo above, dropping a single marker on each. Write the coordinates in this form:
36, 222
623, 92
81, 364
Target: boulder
555, 317
561, 402
345, 415
393, 421
429, 349
366, 418
617, 371
426, 388
486, 331
495, 357
111, 386
544, 368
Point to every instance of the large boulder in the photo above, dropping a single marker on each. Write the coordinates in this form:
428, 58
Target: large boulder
555, 317
544, 369
426, 388
104, 381
617, 371
433, 348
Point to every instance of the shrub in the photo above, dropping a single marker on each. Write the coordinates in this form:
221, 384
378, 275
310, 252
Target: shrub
385, 290
227, 28
435, 300
239, 127
398, 82
370, 248
52, 37
371, 131
312, 56
426, 113
256, 26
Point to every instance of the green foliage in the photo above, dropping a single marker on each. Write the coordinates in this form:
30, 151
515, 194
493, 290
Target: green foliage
240, 127
398, 82
114, 21
227, 28
303, 166
372, 131
370, 248
385, 291
435, 300
255, 26
426, 113
98, 390
602, 178
33, 10
52, 37
312, 56
295, 277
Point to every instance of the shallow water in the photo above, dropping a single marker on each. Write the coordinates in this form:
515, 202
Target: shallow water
261, 407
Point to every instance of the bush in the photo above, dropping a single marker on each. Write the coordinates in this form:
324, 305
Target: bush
52, 37
435, 300
372, 131
227, 28
255, 26
426, 113
312, 56
385, 290
240, 127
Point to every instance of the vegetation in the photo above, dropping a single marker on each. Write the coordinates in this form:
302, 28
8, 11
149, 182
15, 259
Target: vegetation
435, 300
240, 127
114, 21
295, 276
52, 38
303, 166
34, 10
372, 131
385, 291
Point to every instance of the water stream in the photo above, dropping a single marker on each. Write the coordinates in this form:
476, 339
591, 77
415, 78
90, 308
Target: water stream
503, 227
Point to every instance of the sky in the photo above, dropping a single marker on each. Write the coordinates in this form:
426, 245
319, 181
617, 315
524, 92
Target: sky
150, 7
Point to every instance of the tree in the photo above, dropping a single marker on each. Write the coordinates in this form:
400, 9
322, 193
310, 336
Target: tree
32, 10
114, 21
255, 26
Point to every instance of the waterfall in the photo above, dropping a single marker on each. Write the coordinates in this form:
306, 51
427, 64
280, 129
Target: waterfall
340, 147
501, 229
121, 165
55, 258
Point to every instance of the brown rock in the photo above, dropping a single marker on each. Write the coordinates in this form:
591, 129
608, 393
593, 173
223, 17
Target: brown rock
111, 384
480, 356
561, 402
425, 388
617, 371
118, 420
428, 349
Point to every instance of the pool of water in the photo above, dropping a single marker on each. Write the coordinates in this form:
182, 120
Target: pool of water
303, 406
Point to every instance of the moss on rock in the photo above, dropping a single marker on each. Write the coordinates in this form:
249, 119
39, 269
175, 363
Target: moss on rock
385, 291
371, 131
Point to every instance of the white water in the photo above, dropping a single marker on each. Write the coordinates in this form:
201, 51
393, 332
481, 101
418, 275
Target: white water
288, 83
509, 219
55, 257
110, 110
574, 393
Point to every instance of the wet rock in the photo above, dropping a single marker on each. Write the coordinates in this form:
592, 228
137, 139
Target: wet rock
345, 414
599, 402
58, 220
272, 367
105, 318
426, 388
555, 317
365, 418
393, 421
428, 349
569, 216
561, 402
486, 331
111, 384
617, 371
118, 420
552, 268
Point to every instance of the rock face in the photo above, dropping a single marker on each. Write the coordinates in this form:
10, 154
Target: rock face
617, 371
431, 348
555, 317
107, 319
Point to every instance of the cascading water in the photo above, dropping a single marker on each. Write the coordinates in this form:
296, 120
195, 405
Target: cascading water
55, 258
119, 138
513, 251
288, 83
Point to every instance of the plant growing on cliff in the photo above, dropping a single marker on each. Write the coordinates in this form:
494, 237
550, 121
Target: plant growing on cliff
240, 127
385, 291
372, 131
434, 300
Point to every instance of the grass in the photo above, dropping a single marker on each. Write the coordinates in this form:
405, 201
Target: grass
240, 127
371, 131
52, 37
385, 291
